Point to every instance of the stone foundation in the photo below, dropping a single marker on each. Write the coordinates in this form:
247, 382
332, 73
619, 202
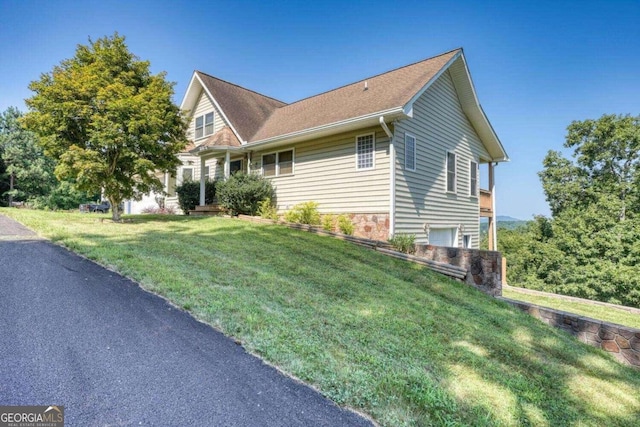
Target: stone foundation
484, 268
371, 226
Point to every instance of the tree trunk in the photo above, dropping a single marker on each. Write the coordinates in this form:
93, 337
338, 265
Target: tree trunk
115, 210
11, 190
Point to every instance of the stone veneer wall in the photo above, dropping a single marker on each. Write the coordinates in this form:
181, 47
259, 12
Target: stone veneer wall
484, 268
622, 342
371, 226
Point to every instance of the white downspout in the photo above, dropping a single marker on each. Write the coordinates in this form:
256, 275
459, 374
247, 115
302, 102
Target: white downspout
392, 178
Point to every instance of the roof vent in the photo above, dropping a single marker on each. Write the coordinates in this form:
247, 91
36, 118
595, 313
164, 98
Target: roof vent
366, 86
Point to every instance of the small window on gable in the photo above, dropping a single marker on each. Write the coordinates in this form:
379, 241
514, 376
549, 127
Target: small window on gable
204, 125
277, 164
208, 124
473, 179
451, 172
365, 150
409, 152
199, 127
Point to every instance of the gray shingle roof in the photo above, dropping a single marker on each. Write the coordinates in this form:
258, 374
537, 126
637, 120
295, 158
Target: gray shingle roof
383, 92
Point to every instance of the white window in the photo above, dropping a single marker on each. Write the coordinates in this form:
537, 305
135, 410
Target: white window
466, 241
199, 127
204, 125
473, 179
365, 150
409, 152
208, 123
187, 174
206, 171
278, 164
451, 172
447, 237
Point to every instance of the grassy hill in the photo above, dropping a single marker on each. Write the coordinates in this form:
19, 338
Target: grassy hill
391, 339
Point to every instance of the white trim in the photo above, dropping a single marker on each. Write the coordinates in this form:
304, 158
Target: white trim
455, 172
408, 107
277, 169
373, 151
415, 149
477, 187
483, 117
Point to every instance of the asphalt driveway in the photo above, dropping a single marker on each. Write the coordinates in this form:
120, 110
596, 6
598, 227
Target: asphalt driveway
75, 334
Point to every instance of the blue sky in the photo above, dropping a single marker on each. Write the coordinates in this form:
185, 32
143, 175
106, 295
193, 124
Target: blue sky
536, 65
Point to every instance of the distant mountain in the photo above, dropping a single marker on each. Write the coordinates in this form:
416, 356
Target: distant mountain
508, 218
504, 221
502, 218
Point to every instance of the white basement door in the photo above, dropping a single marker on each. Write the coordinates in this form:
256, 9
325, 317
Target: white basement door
443, 237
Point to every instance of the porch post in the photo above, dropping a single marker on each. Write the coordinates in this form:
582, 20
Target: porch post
493, 236
202, 181
227, 165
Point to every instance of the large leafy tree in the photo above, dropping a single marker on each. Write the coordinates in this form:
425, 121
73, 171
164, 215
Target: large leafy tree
590, 247
108, 121
26, 170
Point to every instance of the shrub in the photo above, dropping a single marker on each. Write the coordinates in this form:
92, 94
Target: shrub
328, 222
241, 193
63, 196
189, 194
404, 243
345, 225
266, 210
304, 213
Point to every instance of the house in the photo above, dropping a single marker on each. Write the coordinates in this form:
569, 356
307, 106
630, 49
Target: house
399, 152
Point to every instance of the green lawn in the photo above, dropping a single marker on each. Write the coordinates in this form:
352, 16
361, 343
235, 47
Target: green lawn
388, 338
608, 314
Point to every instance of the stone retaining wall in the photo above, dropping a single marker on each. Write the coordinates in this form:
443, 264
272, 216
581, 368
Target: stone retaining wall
622, 342
484, 268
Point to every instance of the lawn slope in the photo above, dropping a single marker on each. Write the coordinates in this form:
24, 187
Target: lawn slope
389, 338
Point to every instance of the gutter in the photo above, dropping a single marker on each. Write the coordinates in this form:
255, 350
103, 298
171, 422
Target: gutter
392, 178
305, 133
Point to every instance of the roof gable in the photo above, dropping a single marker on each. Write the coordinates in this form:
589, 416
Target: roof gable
243, 109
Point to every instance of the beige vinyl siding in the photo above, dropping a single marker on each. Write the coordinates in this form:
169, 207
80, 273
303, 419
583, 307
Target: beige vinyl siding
203, 106
325, 172
439, 125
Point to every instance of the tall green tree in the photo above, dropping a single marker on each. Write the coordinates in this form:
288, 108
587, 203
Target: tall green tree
590, 248
28, 172
109, 123
606, 169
